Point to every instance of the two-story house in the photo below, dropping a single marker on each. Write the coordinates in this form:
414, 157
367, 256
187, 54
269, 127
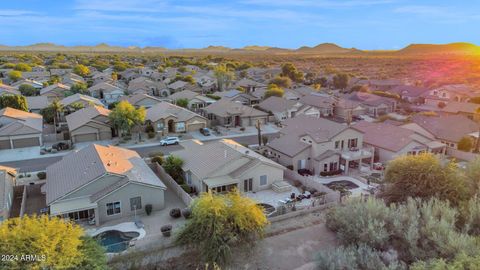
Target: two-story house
319, 145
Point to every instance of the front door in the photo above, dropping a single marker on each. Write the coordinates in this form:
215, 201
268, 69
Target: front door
237, 120
247, 185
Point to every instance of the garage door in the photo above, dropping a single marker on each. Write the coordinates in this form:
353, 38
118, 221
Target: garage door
107, 135
196, 127
85, 137
27, 142
5, 144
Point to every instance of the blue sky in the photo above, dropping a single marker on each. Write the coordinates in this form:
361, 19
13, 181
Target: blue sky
363, 24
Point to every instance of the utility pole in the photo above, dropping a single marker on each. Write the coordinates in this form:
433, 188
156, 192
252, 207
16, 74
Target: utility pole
259, 132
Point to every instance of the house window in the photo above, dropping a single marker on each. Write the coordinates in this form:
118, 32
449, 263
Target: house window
180, 126
263, 180
352, 143
248, 185
337, 144
160, 126
113, 208
135, 203
325, 167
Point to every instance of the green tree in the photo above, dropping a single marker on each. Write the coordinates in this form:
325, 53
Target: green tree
80, 88
56, 107
182, 102
424, 176
125, 116
289, 70
23, 67
224, 77
15, 75
15, 102
81, 70
340, 81
93, 255
58, 240
465, 144
28, 90
281, 81
220, 223
173, 166
274, 90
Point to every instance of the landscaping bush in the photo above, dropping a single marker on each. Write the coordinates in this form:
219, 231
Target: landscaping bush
148, 209
330, 173
149, 128
242, 129
156, 153
166, 230
42, 175
187, 213
186, 188
158, 159
175, 213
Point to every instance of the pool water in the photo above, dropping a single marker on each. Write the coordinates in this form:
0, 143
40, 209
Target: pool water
115, 241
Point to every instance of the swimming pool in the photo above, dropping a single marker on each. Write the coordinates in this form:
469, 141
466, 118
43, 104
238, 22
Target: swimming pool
116, 241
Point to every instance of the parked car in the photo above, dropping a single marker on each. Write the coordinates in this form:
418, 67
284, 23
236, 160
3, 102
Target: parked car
60, 146
205, 131
169, 141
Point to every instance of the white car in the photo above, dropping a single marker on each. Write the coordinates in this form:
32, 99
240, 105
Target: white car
169, 141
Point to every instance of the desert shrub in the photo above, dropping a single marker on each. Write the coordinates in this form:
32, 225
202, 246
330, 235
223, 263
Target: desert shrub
158, 159
175, 213
186, 213
156, 153
41, 175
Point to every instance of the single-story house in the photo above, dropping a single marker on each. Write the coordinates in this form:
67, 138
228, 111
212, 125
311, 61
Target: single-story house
224, 165
232, 114
410, 93
463, 108
105, 91
84, 100
323, 103
7, 182
140, 99
101, 183
90, 124
169, 118
390, 141
281, 108
37, 103
239, 96
195, 100
20, 129
54, 91
147, 86
8, 90
374, 105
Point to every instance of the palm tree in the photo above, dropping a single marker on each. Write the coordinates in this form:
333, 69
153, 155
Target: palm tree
57, 108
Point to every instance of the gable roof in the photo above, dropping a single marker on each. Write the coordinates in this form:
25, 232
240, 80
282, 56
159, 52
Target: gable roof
206, 159
163, 110
79, 97
277, 104
81, 167
37, 102
461, 107
449, 127
108, 87
409, 90
85, 115
318, 100
225, 107
370, 99
24, 122
53, 87
135, 98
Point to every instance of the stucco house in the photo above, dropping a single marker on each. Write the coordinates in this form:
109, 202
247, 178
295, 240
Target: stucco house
84, 100
54, 91
7, 182
105, 91
101, 183
90, 124
147, 86
451, 92
390, 141
223, 165
195, 100
281, 108
319, 145
140, 99
232, 114
168, 118
37, 103
20, 129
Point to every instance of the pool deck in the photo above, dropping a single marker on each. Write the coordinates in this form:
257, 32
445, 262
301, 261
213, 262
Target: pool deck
273, 198
362, 187
122, 227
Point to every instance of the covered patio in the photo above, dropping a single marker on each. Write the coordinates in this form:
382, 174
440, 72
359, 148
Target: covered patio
80, 210
356, 157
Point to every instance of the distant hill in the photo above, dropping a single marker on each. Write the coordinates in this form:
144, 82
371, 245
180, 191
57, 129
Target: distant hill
452, 48
321, 49
324, 48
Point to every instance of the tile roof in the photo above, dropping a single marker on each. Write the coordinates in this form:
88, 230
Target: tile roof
163, 110
86, 165
226, 107
85, 115
448, 127
277, 104
24, 122
53, 87
79, 97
